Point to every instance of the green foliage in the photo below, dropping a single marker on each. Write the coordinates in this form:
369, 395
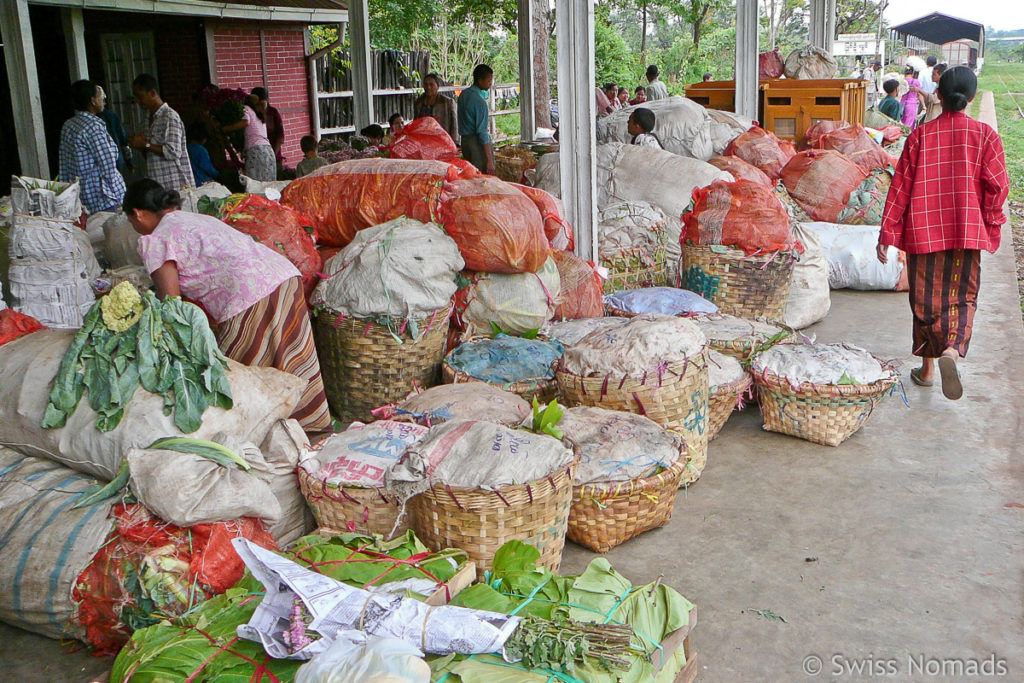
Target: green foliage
613, 60
1006, 81
545, 421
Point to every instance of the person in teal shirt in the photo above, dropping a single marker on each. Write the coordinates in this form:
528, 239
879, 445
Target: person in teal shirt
890, 106
473, 120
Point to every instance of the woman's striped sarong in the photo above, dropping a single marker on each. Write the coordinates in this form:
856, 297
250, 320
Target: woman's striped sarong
943, 297
275, 333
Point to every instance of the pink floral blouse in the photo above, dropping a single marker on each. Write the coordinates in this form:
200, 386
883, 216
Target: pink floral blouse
223, 269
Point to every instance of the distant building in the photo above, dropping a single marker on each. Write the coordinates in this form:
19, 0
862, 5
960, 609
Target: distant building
941, 34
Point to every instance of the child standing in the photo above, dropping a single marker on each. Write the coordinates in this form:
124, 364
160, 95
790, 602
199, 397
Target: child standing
946, 205
640, 126
890, 106
311, 162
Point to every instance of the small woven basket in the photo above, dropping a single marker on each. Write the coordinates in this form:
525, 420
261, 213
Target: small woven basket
364, 365
480, 521
510, 163
542, 389
723, 401
827, 414
608, 513
637, 268
741, 285
676, 398
366, 510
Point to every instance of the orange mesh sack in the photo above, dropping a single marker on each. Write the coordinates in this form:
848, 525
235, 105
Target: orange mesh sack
497, 227
423, 138
344, 198
820, 129
280, 228
556, 228
14, 325
582, 288
762, 149
741, 214
741, 170
855, 143
821, 182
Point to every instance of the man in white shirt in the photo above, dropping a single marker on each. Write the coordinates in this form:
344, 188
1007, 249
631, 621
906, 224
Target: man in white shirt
927, 84
656, 89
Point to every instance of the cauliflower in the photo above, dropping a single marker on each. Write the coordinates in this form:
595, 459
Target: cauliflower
121, 307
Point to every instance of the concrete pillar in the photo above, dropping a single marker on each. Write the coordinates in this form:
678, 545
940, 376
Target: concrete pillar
747, 82
20, 54
822, 30
74, 37
577, 118
528, 124
362, 74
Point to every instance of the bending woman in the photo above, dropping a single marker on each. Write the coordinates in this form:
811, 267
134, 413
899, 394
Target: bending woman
252, 292
946, 205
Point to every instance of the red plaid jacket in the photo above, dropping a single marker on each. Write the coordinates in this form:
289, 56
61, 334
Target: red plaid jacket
949, 188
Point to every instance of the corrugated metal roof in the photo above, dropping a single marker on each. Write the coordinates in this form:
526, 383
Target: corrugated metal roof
941, 29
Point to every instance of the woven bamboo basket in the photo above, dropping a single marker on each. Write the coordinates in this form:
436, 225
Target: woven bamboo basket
367, 510
827, 414
608, 513
677, 398
741, 285
723, 401
365, 366
480, 521
542, 389
510, 163
637, 268
742, 348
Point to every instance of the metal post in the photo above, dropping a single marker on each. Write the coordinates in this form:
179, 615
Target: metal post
746, 58
577, 117
20, 54
822, 31
362, 75
527, 119
74, 37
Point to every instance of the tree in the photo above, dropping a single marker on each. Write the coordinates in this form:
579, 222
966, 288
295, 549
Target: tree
695, 12
541, 32
858, 16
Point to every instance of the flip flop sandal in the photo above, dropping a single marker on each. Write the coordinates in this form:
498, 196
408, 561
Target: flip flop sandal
951, 386
915, 377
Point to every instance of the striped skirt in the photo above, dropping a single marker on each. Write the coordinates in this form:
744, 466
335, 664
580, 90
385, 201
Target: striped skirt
943, 298
275, 333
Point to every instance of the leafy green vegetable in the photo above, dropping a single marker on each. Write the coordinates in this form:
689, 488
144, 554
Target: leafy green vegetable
544, 421
211, 450
101, 492
171, 352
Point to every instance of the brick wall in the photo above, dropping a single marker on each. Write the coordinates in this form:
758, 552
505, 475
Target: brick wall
239, 66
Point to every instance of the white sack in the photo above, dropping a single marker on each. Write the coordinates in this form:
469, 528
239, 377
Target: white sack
723, 369
361, 455
616, 446
571, 332
190, 196
666, 180
811, 62
402, 269
121, 242
518, 303
470, 400
636, 348
281, 449
725, 126
820, 364
682, 126
355, 656
548, 176
271, 189
852, 257
809, 297
28, 365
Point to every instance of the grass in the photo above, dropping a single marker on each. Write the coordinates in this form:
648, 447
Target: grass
1000, 77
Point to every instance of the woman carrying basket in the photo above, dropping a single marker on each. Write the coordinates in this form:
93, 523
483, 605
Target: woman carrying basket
946, 205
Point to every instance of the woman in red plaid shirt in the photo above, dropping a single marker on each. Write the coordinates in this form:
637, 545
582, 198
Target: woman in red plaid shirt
946, 205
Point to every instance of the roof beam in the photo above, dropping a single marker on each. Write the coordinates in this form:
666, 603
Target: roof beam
217, 10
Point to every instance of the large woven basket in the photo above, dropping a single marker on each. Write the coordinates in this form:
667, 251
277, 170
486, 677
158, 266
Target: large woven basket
366, 510
608, 513
542, 389
510, 163
676, 398
743, 347
480, 521
821, 413
723, 401
364, 365
638, 268
741, 285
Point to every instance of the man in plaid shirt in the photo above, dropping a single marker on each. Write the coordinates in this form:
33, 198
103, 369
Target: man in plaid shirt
163, 142
87, 152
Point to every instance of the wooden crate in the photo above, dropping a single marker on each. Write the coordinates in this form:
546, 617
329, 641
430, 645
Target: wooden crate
669, 646
714, 94
792, 106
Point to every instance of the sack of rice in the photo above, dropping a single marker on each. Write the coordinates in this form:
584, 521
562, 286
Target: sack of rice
466, 400
636, 349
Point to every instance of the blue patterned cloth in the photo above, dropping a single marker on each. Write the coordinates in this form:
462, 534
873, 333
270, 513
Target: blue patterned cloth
89, 155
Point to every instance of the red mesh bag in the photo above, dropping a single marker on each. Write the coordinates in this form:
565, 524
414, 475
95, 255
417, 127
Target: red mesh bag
465, 169
14, 325
344, 198
149, 570
814, 134
582, 289
742, 214
771, 64
891, 134
762, 149
281, 228
557, 229
855, 143
821, 182
498, 228
423, 138
741, 170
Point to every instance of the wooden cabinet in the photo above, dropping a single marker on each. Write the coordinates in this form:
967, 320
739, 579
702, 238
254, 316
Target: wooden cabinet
792, 106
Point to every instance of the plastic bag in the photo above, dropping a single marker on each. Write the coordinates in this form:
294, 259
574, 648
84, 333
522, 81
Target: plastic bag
821, 182
855, 143
506, 360
852, 259
349, 196
809, 294
517, 303
497, 227
354, 656
743, 215
741, 170
762, 149
771, 64
664, 300
810, 62
14, 324
581, 287
556, 228
423, 138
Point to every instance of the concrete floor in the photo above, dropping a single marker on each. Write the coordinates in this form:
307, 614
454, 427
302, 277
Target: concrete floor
904, 542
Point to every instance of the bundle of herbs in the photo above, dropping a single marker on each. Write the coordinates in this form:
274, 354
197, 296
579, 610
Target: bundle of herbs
125, 341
